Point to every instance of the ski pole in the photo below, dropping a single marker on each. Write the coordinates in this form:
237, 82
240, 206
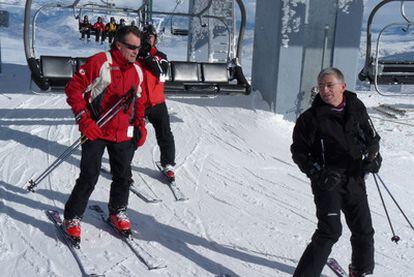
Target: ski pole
394, 238
395, 201
102, 121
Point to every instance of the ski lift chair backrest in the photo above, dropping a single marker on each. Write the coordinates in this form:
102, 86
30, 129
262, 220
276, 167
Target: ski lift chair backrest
391, 72
185, 72
202, 79
57, 67
186, 79
215, 72
57, 70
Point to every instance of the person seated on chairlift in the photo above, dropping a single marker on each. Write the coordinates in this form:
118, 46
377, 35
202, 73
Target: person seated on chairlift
99, 29
110, 29
121, 23
85, 28
133, 23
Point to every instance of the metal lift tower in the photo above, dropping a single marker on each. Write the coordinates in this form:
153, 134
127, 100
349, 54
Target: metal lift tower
209, 38
294, 40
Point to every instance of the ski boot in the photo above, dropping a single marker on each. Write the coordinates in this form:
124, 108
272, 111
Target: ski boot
72, 229
355, 273
168, 171
121, 222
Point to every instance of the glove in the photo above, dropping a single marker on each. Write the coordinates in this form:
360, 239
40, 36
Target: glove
140, 133
329, 179
372, 166
89, 128
314, 172
145, 49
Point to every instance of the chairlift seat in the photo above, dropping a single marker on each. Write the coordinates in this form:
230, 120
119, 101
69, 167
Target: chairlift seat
392, 72
57, 70
215, 72
185, 72
184, 78
202, 79
179, 32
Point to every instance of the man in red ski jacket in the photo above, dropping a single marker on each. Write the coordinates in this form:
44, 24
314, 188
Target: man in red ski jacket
97, 85
156, 64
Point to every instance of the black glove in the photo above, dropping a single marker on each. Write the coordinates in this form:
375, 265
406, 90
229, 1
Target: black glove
372, 166
145, 49
329, 179
314, 172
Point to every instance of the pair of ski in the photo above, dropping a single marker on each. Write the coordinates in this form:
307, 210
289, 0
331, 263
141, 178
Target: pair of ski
140, 191
85, 265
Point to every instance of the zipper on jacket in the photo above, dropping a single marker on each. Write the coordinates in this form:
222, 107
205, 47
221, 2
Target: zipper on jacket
323, 153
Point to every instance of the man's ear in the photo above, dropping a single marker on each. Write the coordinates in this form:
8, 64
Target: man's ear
118, 45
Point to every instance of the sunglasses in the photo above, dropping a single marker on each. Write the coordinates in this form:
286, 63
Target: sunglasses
130, 46
329, 85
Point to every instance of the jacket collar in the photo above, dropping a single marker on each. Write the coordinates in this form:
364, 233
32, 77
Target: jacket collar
350, 98
119, 59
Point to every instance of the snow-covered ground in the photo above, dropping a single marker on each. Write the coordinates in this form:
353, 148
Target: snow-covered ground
250, 210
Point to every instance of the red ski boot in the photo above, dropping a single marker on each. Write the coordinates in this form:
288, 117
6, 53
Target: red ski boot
72, 228
121, 222
168, 171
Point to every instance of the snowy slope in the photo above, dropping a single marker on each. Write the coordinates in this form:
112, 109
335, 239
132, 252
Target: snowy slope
250, 211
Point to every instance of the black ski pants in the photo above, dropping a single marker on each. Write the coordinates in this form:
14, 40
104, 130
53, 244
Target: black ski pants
120, 155
86, 32
358, 218
160, 120
99, 34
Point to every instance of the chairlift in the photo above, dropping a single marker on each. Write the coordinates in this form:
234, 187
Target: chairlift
387, 70
187, 78
174, 30
178, 31
52, 73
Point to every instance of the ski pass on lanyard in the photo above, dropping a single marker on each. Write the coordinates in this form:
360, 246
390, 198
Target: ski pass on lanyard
130, 131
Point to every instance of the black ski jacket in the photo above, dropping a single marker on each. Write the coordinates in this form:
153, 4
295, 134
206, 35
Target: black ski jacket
334, 140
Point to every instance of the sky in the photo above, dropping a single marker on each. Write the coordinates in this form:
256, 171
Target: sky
250, 210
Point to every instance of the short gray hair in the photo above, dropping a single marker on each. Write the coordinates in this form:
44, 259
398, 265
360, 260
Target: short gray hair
332, 71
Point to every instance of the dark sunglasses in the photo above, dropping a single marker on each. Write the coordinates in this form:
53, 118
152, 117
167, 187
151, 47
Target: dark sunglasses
130, 46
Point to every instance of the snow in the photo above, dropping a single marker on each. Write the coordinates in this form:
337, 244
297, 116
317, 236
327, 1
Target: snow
291, 22
250, 210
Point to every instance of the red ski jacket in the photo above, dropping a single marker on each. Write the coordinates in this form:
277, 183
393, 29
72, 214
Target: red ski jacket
99, 26
156, 66
99, 84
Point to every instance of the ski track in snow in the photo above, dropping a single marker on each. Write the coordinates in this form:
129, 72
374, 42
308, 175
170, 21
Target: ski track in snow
250, 210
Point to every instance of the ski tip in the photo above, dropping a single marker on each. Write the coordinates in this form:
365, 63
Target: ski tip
126, 233
182, 199
153, 201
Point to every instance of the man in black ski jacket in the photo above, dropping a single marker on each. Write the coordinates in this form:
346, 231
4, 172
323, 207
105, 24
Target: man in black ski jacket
335, 145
